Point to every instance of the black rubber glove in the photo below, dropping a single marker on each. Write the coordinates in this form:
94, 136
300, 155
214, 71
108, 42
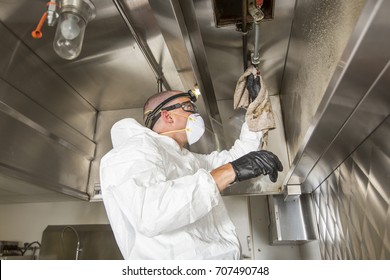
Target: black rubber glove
256, 163
253, 86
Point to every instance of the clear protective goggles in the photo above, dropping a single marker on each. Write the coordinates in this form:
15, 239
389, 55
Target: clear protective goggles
188, 106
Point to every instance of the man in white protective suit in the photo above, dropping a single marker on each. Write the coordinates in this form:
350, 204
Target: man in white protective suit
163, 201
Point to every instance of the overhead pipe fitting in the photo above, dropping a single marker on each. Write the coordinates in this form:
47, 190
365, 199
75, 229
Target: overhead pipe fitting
244, 30
257, 14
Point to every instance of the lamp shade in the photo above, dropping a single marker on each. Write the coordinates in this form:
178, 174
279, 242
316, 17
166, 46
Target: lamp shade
74, 16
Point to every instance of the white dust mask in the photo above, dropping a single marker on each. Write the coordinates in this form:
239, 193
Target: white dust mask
194, 128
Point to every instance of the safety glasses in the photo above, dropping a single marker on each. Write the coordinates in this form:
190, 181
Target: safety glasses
187, 106
155, 114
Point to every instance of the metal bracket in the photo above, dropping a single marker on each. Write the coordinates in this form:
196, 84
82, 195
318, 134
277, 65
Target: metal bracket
292, 192
254, 11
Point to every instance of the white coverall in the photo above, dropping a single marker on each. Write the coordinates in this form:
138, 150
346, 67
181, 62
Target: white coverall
161, 201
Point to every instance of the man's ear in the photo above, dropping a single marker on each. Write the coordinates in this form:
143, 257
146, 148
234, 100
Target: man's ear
166, 116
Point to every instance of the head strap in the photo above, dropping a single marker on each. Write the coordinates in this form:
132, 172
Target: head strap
155, 114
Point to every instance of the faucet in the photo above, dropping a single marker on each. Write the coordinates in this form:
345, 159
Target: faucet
78, 249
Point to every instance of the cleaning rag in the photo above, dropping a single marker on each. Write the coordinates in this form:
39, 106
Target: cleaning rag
259, 115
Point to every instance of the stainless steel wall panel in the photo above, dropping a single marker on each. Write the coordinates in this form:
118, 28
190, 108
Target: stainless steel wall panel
26, 72
319, 35
29, 154
357, 202
370, 112
355, 101
40, 119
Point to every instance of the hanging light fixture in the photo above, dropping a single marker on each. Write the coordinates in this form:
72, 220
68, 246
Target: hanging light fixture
73, 19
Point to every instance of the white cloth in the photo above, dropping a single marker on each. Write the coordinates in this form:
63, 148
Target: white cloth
161, 201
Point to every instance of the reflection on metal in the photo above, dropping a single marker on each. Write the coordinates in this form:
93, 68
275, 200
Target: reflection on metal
46, 127
318, 38
142, 45
291, 222
354, 104
98, 243
4, 108
352, 204
78, 249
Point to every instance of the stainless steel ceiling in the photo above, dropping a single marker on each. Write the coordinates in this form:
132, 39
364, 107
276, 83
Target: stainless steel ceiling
112, 73
50, 106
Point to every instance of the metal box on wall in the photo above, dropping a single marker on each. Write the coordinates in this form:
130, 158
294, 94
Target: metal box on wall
291, 222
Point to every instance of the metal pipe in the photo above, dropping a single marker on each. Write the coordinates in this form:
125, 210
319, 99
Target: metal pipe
256, 51
257, 15
142, 45
78, 250
159, 85
244, 30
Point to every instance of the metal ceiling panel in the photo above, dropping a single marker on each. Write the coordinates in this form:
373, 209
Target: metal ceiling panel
111, 72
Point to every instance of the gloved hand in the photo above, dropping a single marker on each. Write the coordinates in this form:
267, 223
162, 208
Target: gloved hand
256, 163
253, 86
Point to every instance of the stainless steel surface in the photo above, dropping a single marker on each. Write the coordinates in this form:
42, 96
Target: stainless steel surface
55, 103
15, 188
352, 204
30, 75
143, 46
291, 222
84, 8
292, 192
32, 156
46, 127
354, 94
224, 47
179, 26
97, 242
111, 72
23, 109
319, 35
